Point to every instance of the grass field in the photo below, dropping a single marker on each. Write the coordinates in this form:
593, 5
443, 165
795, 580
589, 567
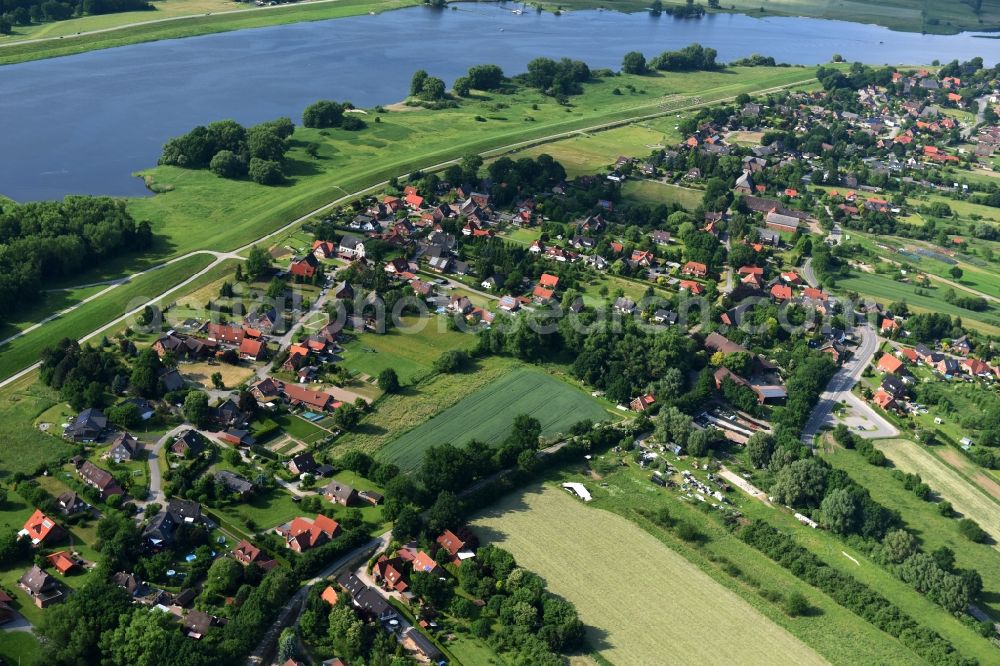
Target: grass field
350, 161
410, 351
20, 647
399, 412
487, 415
922, 517
887, 290
25, 350
967, 498
24, 446
299, 428
653, 193
642, 602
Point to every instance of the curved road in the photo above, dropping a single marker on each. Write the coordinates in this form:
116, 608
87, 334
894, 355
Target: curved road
839, 390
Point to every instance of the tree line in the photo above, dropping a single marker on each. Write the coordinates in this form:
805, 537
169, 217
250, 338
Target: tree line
49, 240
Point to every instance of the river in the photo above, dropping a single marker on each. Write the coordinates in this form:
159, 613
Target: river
83, 124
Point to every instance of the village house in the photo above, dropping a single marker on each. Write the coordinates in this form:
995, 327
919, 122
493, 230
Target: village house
99, 478
160, 530
340, 493
391, 573
230, 334
41, 530
460, 546
369, 603
324, 249
87, 426
695, 269
62, 562
41, 588
351, 247
303, 463
253, 350
246, 554
889, 364
189, 441
124, 448
234, 484
303, 534
70, 504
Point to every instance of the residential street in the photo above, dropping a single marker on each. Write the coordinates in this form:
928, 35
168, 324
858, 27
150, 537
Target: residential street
839, 390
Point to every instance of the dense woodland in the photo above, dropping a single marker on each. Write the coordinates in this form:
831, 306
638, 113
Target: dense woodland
42, 242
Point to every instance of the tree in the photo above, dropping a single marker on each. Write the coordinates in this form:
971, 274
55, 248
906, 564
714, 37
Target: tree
839, 511
898, 545
324, 113
634, 63
800, 483
72, 630
224, 576
445, 513
955, 272
258, 263
417, 82
217, 381
408, 525
760, 448
431, 588
699, 442
196, 408
227, 164
432, 89
125, 415
265, 144
452, 360
971, 530
796, 604
388, 381
287, 641
147, 638
265, 172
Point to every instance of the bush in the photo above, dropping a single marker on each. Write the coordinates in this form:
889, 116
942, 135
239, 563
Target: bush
796, 605
971, 530
227, 164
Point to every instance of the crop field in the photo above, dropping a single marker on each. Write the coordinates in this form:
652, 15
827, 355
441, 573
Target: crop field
487, 415
350, 161
657, 604
410, 350
967, 498
653, 193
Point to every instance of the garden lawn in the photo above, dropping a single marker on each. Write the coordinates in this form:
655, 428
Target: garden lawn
299, 428
21, 648
654, 193
637, 597
24, 448
487, 415
267, 509
410, 351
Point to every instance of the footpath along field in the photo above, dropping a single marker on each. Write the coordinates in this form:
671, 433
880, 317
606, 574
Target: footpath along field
654, 608
487, 415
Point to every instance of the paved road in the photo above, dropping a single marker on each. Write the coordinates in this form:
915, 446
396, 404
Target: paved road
290, 610
155, 473
808, 274
222, 256
839, 390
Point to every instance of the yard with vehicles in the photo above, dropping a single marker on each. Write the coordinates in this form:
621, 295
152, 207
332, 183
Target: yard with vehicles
556, 535
486, 415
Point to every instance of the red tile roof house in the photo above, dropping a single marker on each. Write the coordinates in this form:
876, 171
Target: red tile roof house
814, 294
642, 403
781, 292
324, 249
459, 548
391, 572
246, 554
751, 270
252, 350
884, 400
229, 334
910, 354
889, 364
695, 269
694, 288
548, 280
304, 267
299, 395
888, 325
41, 529
302, 534
541, 294
62, 562
424, 563
975, 367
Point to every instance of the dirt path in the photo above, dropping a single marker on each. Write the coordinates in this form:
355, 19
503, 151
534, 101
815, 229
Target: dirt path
979, 477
